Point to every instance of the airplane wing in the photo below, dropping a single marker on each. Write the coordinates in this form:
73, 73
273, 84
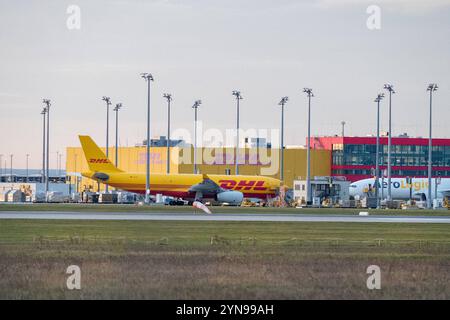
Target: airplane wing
206, 186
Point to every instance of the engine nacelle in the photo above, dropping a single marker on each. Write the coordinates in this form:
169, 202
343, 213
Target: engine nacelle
230, 197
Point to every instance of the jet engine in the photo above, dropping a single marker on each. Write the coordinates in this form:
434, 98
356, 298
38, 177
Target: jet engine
230, 197
101, 176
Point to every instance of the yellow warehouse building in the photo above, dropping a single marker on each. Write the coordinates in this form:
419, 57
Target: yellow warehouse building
254, 161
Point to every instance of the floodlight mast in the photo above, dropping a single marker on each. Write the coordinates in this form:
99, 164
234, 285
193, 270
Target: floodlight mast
11, 168
147, 77
108, 103
309, 94
27, 157
239, 97
116, 109
431, 88
197, 104
47, 178
282, 102
343, 128
57, 164
60, 163
168, 97
390, 89
378, 99
43, 112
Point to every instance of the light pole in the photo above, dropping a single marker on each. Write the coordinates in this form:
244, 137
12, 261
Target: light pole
239, 97
147, 77
168, 97
431, 88
283, 101
60, 164
436, 184
409, 181
310, 94
57, 165
195, 107
116, 109
108, 103
75, 170
378, 99
390, 89
47, 162
11, 168
343, 128
27, 156
43, 112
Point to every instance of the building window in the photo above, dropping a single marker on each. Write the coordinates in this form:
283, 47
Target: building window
364, 155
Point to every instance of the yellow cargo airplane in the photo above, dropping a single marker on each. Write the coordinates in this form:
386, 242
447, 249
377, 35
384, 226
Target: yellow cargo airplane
192, 187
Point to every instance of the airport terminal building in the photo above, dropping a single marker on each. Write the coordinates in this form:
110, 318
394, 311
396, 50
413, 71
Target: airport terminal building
354, 157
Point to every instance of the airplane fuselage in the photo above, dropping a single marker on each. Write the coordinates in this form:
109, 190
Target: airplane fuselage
178, 185
401, 189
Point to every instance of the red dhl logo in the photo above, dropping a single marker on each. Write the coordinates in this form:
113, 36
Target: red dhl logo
243, 185
99, 161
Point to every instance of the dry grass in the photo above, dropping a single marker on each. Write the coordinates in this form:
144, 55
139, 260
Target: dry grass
231, 266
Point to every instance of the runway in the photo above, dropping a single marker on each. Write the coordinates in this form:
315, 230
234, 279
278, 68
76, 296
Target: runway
176, 216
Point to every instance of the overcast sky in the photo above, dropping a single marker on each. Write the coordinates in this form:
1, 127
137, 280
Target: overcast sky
204, 49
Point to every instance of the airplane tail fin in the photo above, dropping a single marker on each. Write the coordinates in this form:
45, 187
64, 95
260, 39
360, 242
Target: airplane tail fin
96, 159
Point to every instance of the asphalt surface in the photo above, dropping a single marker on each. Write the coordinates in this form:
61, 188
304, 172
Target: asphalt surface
197, 216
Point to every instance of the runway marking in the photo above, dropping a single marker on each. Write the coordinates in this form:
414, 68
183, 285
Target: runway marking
174, 216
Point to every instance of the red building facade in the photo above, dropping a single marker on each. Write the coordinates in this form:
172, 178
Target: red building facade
354, 157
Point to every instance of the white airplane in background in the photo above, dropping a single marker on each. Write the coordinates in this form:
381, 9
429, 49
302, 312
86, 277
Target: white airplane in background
401, 189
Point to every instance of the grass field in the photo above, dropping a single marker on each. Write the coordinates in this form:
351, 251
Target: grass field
222, 260
159, 208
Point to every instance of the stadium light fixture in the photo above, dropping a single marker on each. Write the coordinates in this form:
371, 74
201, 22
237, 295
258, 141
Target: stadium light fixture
108, 103
378, 99
43, 112
149, 78
432, 87
309, 94
239, 97
282, 102
168, 97
197, 104
390, 89
116, 110
47, 103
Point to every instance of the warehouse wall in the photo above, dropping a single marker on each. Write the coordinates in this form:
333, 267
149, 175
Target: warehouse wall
131, 159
